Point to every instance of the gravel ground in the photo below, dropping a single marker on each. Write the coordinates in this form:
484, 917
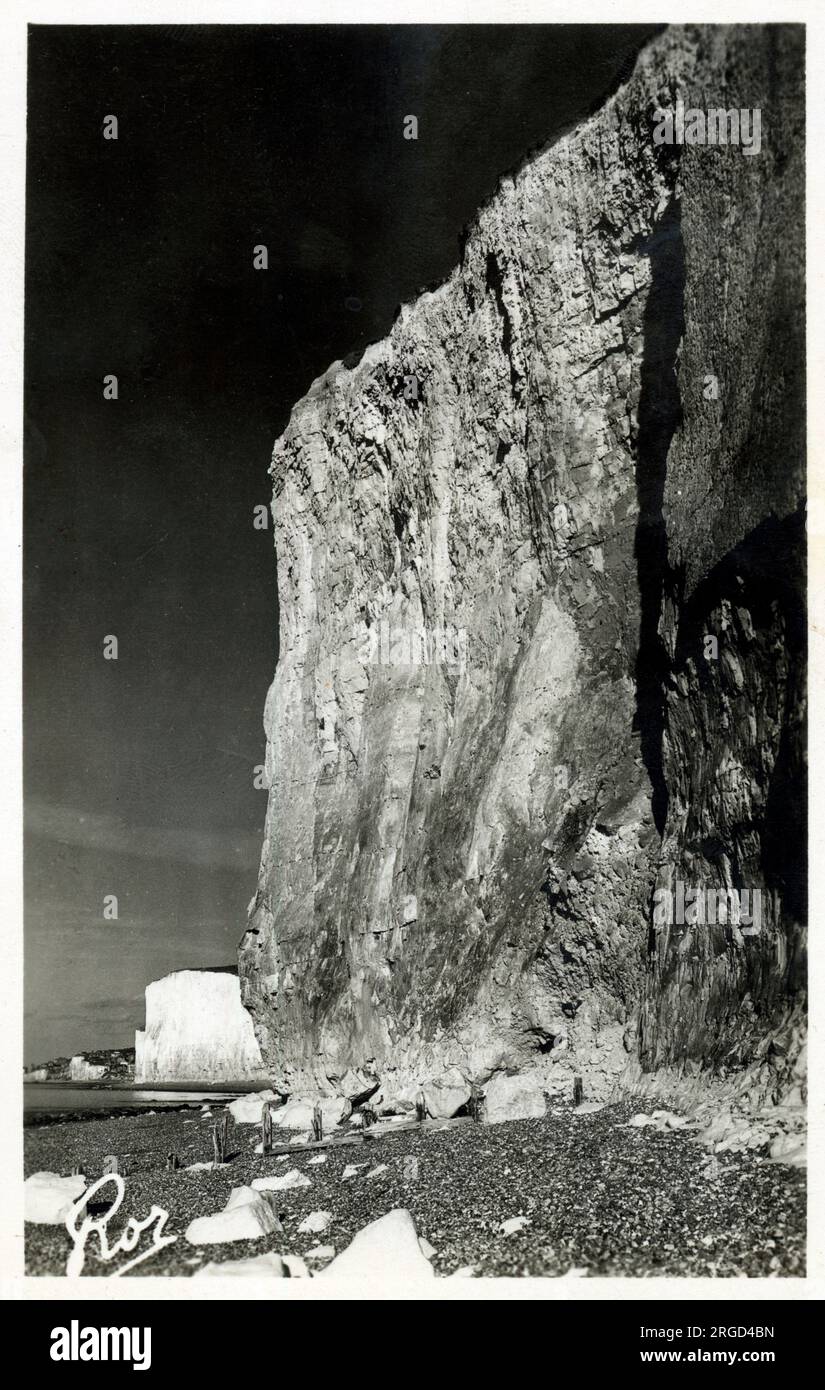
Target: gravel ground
599, 1197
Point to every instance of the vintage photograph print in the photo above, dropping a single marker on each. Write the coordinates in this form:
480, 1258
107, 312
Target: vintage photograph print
415, 652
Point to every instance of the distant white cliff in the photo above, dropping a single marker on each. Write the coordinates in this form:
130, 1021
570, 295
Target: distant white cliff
197, 1029
80, 1069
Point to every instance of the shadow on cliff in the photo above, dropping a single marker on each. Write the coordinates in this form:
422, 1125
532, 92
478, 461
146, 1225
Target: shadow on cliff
660, 413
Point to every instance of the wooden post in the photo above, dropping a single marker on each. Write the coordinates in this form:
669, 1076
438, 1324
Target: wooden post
420, 1108
266, 1128
220, 1130
317, 1124
370, 1117
578, 1090
172, 1163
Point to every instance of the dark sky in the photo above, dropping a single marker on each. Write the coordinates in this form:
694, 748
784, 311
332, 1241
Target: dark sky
138, 513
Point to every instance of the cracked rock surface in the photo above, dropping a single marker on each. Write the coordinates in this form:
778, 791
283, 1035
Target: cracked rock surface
502, 539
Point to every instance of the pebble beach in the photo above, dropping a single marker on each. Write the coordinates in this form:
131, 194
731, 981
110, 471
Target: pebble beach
572, 1192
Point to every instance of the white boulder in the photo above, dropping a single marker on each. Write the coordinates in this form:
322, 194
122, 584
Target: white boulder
246, 1216
513, 1224
352, 1170
446, 1094
386, 1249
248, 1110
48, 1197
298, 1112
514, 1098
315, 1223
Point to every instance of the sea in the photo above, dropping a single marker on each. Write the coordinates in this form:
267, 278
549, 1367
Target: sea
48, 1101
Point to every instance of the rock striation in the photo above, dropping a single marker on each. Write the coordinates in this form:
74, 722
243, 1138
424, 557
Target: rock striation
503, 539
197, 1030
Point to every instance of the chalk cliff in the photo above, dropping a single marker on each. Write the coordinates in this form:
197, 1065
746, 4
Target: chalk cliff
197, 1030
496, 726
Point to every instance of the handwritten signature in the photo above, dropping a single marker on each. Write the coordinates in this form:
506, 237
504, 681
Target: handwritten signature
97, 1226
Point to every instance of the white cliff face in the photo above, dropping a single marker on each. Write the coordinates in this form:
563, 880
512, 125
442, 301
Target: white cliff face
503, 538
81, 1070
197, 1030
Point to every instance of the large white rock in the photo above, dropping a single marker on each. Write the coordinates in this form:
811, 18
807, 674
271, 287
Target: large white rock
446, 1094
387, 1248
48, 1198
248, 1110
246, 1216
514, 1098
298, 1112
197, 1029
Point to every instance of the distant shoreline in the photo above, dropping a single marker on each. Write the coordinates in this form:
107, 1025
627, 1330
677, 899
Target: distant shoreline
43, 1101
184, 1084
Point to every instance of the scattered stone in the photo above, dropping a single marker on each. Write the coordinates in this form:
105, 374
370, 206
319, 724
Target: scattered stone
666, 1119
514, 1224
319, 1158
589, 1107
427, 1250
352, 1170
465, 1272
246, 1216
386, 1248
514, 1098
48, 1197
283, 1182
410, 1169
374, 1172
296, 1267
247, 1110
315, 1223
660, 1119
